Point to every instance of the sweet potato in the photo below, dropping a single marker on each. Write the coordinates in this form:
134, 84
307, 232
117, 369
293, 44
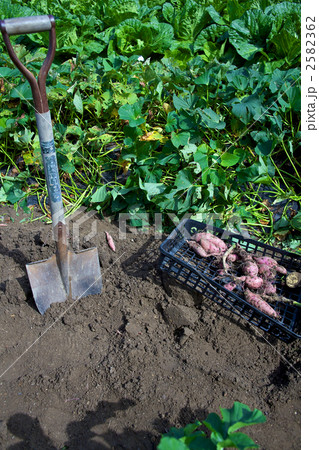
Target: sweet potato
110, 241
271, 264
230, 286
267, 260
209, 247
281, 269
198, 249
198, 236
254, 282
232, 258
259, 303
242, 254
221, 272
250, 268
269, 288
266, 271
214, 240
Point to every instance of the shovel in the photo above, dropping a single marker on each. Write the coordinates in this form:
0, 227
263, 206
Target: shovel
66, 275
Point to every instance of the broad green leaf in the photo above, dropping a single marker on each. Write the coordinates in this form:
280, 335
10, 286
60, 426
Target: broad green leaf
15, 194
229, 159
100, 195
200, 157
7, 72
215, 15
23, 92
248, 108
240, 416
264, 142
188, 18
235, 10
215, 425
186, 120
132, 113
264, 148
135, 37
189, 429
204, 78
217, 176
200, 443
171, 123
3, 195
294, 96
210, 119
242, 441
77, 101
286, 45
68, 167
238, 78
116, 11
208, 37
93, 47
152, 189
184, 179
296, 221
249, 33
171, 443
188, 151
187, 102
180, 139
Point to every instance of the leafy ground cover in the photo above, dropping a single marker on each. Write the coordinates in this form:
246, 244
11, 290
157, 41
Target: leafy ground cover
162, 107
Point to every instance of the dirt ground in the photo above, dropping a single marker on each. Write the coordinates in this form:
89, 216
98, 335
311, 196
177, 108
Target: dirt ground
114, 371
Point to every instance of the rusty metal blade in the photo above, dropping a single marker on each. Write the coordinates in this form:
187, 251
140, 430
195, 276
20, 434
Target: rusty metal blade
47, 283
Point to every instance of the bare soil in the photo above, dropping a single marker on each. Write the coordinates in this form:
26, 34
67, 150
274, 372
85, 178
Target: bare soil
114, 371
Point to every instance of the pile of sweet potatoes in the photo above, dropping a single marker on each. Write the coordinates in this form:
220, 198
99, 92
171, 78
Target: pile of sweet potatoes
250, 275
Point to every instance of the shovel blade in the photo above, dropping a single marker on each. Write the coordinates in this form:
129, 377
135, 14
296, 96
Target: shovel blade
47, 283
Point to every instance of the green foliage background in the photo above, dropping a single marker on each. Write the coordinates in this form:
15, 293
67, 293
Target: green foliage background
174, 107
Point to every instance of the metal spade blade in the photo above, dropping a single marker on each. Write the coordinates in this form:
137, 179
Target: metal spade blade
47, 284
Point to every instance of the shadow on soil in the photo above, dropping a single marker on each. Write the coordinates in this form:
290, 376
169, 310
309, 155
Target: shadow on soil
82, 436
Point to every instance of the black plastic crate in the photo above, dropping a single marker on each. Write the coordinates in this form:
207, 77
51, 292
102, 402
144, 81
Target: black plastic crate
181, 263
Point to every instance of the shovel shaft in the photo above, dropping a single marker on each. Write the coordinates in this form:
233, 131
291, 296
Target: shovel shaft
51, 170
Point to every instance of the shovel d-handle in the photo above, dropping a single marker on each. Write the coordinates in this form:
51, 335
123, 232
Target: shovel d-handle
25, 25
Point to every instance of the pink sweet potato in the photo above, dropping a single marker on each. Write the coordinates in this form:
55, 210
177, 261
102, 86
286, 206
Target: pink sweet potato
198, 249
254, 282
266, 271
110, 241
230, 286
232, 257
250, 268
210, 248
214, 240
221, 272
259, 303
198, 236
270, 262
281, 269
269, 288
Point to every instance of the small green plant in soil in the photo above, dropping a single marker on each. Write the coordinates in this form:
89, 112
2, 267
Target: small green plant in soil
215, 432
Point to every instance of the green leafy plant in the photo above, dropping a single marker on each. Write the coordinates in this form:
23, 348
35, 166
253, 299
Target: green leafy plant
201, 99
218, 432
